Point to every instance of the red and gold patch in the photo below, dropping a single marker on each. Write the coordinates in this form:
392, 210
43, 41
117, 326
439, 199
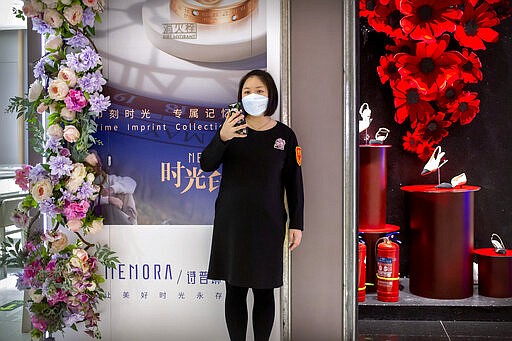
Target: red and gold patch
298, 155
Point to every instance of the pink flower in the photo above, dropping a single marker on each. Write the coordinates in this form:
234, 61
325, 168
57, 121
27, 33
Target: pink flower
20, 219
75, 100
76, 210
22, 177
59, 296
39, 323
51, 265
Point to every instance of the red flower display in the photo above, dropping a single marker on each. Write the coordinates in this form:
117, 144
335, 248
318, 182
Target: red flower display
424, 150
387, 19
426, 20
471, 67
435, 130
387, 70
367, 8
411, 141
411, 103
431, 68
475, 27
450, 94
464, 108
427, 79
402, 45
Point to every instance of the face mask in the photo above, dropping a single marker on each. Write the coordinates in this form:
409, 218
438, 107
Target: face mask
255, 104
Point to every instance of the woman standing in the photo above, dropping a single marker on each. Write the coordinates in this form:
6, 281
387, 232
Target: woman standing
250, 216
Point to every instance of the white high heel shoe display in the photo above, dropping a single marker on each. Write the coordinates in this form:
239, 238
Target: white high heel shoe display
380, 136
459, 180
366, 114
434, 163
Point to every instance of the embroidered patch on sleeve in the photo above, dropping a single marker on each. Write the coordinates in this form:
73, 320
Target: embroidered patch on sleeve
298, 155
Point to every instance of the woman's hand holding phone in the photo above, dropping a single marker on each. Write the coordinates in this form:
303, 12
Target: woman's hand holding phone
231, 129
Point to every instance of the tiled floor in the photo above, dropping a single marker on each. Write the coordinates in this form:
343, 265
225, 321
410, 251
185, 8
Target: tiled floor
384, 330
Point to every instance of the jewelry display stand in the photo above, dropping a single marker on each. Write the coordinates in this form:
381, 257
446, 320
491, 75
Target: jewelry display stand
372, 224
441, 240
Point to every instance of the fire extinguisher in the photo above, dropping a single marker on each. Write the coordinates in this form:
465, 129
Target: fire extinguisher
361, 290
388, 263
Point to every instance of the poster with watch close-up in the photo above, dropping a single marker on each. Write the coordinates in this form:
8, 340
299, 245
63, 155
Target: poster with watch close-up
172, 68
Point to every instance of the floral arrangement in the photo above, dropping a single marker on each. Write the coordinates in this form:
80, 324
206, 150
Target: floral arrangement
431, 64
62, 277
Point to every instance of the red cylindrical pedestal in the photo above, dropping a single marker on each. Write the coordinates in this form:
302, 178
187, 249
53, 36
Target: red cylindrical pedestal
494, 273
373, 176
370, 237
441, 225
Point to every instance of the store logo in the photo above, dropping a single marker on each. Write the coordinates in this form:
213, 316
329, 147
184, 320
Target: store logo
179, 31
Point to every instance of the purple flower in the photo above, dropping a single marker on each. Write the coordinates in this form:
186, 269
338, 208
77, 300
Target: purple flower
85, 191
67, 196
20, 283
71, 319
53, 144
99, 102
91, 82
88, 17
60, 165
77, 41
75, 100
37, 173
83, 61
39, 70
65, 152
48, 207
41, 27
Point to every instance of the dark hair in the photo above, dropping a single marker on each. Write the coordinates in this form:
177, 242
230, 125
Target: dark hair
267, 79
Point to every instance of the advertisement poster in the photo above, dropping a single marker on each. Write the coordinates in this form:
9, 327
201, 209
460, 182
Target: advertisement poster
173, 67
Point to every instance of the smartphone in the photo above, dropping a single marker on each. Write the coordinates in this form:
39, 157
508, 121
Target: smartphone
232, 109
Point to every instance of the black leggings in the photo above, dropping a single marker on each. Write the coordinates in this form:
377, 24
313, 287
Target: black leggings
262, 313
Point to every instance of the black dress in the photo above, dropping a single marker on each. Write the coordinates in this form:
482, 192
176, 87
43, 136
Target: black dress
250, 217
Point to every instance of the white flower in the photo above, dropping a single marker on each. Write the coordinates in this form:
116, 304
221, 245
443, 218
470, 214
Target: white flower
37, 298
71, 134
96, 226
75, 225
41, 108
68, 76
37, 5
53, 43
90, 178
65, 2
72, 185
74, 14
55, 131
68, 115
42, 190
34, 91
51, 3
58, 89
52, 18
78, 171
